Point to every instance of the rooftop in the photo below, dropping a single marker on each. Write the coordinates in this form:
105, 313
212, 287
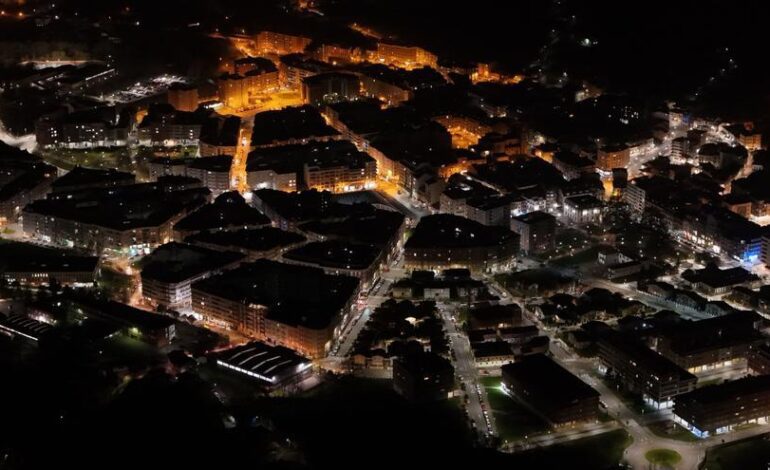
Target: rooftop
548, 381
81, 176
121, 208
26, 257
276, 285
258, 239
289, 123
451, 231
177, 262
727, 391
263, 361
229, 210
336, 254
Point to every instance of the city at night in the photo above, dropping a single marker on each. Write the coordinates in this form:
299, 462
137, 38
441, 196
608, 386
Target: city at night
332, 234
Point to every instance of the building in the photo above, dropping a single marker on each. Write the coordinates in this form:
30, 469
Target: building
335, 166
164, 126
84, 129
152, 328
261, 300
220, 135
641, 370
572, 165
254, 77
362, 261
537, 231
490, 354
446, 241
127, 218
276, 368
183, 97
271, 42
33, 265
717, 409
24, 327
493, 210
229, 211
613, 156
80, 178
423, 377
293, 68
330, 87
494, 316
265, 242
459, 190
551, 391
170, 270
395, 86
714, 281
213, 172
404, 56
23, 179
291, 126
583, 210
759, 360
634, 196
713, 343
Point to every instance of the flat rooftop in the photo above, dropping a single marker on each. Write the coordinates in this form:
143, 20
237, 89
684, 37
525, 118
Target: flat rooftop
258, 239
277, 285
451, 231
301, 206
314, 154
644, 357
228, 210
548, 381
726, 392
363, 224
289, 123
26, 257
461, 187
177, 262
80, 176
123, 207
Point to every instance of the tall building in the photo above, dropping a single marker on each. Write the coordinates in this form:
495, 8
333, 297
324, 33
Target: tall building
537, 231
330, 88
405, 56
635, 197
270, 42
183, 97
261, 300
613, 156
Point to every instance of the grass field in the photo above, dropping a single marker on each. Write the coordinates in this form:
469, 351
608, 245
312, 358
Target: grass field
512, 420
747, 454
663, 457
595, 452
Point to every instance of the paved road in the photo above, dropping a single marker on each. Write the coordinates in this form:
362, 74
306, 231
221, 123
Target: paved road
561, 436
464, 363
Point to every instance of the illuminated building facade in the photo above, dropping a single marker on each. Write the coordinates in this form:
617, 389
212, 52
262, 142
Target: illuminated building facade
611, 157
183, 97
270, 42
259, 300
404, 56
718, 409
